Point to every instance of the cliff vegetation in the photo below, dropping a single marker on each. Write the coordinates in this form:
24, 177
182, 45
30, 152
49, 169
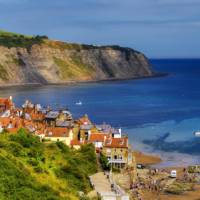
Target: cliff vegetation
34, 170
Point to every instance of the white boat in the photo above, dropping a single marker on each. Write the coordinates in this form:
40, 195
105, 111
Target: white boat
79, 103
197, 133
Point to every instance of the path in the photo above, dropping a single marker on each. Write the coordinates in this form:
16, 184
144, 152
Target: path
102, 186
101, 183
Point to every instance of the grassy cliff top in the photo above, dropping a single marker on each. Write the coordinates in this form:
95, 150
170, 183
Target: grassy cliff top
34, 170
9, 39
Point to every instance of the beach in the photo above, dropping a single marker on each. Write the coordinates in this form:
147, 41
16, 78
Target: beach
146, 159
151, 183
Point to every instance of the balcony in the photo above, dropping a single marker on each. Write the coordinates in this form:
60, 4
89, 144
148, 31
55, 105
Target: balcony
119, 161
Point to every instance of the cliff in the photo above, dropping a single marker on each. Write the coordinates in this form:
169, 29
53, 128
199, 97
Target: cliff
26, 59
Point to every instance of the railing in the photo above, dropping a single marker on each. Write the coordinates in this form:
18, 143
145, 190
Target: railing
117, 161
118, 190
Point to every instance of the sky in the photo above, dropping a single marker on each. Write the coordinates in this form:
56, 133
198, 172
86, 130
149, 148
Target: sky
158, 28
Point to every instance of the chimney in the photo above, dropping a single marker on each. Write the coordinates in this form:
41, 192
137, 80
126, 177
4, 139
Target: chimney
120, 132
104, 138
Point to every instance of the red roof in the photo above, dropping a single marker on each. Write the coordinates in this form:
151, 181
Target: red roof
6, 101
98, 137
77, 142
13, 130
37, 116
4, 121
57, 132
117, 142
16, 122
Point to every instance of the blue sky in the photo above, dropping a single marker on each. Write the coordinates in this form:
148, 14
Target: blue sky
159, 28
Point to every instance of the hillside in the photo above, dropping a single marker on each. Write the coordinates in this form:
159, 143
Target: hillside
33, 170
36, 59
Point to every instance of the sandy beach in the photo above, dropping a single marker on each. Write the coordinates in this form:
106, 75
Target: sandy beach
146, 159
163, 174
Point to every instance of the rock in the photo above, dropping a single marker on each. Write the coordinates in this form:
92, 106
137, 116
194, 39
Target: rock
59, 62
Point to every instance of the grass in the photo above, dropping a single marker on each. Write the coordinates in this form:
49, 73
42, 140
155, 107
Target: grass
9, 40
33, 170
194, 169
179, 188
3, 73
69, 46
73, 68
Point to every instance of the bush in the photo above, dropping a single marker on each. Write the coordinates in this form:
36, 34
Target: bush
15, 183
64, 148
16, 149
179, 188
33, 162
104, 162
24, 138
38, 169
2, 144
15, 40
194, 169
37, 153
73, 167
80, 164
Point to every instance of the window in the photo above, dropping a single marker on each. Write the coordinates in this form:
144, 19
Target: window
108, 150
120, 157
115, 157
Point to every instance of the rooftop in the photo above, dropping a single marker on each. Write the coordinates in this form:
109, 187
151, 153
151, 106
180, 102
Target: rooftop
57, 132
117, 142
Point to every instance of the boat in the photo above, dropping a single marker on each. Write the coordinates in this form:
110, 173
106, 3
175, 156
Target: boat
79, 103
197, 133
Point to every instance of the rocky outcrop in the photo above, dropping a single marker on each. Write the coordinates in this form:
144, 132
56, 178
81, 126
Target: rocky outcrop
59, 62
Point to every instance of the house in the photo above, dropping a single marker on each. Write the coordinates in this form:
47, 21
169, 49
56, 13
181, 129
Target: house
59, 134
59, 126
98, 140
76, 144
64, 119
85, 128
118, 152
6, 104
50, 118
37, 117
11, 124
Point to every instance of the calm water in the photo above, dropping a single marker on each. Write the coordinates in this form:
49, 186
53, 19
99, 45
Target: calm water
147, 109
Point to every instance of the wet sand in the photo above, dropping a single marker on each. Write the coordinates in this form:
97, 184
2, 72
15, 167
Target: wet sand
146, 159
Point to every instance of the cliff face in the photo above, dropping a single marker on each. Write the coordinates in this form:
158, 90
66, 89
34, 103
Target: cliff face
58, 62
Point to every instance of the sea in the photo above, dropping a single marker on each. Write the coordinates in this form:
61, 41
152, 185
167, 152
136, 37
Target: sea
160, 114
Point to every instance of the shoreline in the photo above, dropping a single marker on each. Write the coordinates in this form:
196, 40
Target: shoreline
162, 160
146, 159
165, 160
76, 82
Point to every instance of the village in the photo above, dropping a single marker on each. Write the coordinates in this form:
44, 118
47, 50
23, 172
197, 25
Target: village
59, 125
133, 182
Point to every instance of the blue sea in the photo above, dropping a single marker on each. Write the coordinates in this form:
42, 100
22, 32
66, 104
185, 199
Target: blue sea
159, 114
